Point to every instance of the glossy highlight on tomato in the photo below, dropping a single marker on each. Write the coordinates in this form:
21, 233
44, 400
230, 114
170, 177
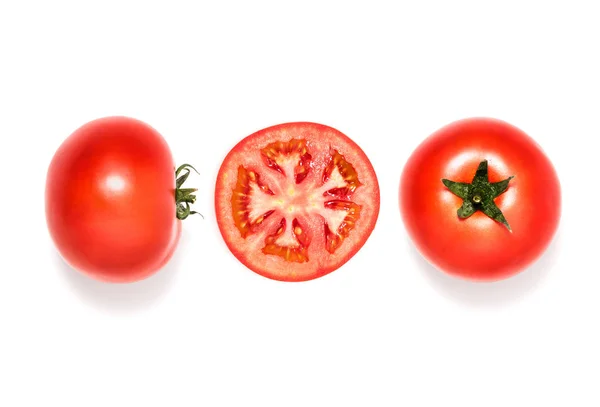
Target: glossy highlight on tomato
480, 199
113, 205
296, 201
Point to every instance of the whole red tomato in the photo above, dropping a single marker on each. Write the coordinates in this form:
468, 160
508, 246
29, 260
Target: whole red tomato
480, 199
113, 205
296, 201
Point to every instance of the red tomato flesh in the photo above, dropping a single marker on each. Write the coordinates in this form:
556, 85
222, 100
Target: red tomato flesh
479, 247
296, 201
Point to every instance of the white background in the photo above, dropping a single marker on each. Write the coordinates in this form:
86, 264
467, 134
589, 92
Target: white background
384, 330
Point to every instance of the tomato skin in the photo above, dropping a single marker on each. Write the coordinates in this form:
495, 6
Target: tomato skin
479, 248
110, 205
321, 139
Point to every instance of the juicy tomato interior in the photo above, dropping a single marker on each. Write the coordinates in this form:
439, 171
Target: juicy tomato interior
296, 201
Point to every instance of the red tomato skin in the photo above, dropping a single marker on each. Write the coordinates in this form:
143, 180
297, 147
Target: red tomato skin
110, 205
479, 248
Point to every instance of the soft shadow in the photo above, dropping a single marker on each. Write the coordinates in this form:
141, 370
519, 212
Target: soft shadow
116, 298
496, 293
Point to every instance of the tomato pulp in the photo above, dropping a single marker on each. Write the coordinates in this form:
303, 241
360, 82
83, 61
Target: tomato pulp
480, 199
111, 204
296, 201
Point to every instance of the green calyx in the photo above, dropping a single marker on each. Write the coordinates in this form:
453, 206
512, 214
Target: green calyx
184, 197
479, 195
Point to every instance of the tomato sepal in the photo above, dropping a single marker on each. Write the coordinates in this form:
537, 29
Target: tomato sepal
184, 197
480, 195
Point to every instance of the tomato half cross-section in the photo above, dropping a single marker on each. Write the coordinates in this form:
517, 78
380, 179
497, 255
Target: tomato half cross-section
296, 201
114, 200
480, 199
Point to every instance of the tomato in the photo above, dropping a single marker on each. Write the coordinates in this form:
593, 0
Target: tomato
296, 201
480, 199
112, 207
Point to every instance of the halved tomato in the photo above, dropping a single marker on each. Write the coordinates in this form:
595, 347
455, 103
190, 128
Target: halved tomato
296, 201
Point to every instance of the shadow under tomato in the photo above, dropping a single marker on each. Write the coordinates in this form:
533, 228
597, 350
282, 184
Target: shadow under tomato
495, 293
124, 297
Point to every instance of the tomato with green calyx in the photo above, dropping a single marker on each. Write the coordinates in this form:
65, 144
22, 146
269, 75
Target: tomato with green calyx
296, 201
114, 200
480, 199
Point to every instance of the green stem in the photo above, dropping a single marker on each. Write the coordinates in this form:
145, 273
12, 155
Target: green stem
184, 197
479, 195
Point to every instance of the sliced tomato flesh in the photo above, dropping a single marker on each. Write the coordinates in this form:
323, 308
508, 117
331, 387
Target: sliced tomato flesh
345, 169
295, 201
289, 158
288, 243
247, 184
253, 201
335, 237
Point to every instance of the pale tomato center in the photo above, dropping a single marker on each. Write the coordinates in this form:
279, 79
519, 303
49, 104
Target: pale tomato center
297, 198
